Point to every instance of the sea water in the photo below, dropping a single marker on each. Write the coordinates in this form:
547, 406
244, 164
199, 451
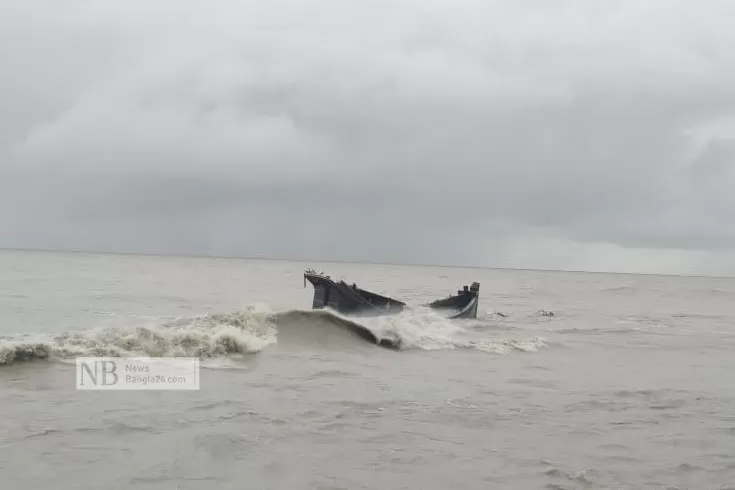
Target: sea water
565, 380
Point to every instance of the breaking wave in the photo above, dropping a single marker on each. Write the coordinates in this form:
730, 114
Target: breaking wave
206, 336
252, 329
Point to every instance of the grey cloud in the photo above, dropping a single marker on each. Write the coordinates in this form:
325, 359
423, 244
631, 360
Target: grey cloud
403, 130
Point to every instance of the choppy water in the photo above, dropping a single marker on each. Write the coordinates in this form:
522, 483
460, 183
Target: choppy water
629, 384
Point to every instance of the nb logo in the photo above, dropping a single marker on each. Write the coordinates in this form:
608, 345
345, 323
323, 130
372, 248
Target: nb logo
98, 373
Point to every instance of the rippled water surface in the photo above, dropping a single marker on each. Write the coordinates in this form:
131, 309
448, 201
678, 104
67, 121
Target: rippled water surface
564, 381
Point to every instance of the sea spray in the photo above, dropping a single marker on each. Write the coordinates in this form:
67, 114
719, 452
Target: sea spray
254, 328
424, 329
206, 336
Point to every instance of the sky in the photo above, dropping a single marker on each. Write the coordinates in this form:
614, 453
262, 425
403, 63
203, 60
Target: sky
568, 134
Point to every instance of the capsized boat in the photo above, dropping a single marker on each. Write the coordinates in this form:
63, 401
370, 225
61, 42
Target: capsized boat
348, 299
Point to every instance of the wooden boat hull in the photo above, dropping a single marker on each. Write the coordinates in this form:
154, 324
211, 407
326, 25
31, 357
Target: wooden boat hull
463, 305
350, 300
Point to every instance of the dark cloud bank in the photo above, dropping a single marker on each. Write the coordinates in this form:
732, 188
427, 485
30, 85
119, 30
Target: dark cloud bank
573, 134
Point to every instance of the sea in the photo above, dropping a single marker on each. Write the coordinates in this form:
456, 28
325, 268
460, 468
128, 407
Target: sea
566, 380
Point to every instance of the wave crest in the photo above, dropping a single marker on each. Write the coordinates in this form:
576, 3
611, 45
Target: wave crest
217, 335
254, 328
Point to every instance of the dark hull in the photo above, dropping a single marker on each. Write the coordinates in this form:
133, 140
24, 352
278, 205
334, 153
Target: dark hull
463, 305
351, 300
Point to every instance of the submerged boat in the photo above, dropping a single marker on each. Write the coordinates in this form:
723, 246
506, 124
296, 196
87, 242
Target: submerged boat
464, 305
348, 299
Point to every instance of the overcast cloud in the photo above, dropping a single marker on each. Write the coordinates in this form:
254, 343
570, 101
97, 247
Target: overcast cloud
582, 134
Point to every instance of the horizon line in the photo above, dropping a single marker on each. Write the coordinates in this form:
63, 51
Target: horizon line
357, 262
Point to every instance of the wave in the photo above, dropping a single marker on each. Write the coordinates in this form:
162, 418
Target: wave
207, 336
249, 331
